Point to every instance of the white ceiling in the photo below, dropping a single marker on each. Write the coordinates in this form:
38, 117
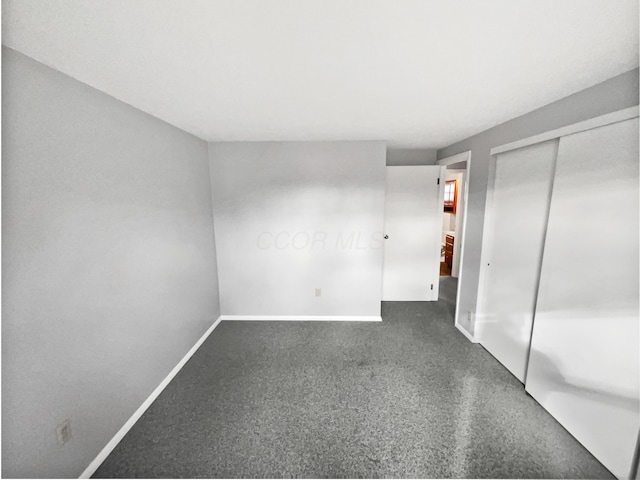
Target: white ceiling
417, 73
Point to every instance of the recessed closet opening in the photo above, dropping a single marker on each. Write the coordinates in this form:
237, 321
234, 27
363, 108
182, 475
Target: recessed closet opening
554, 298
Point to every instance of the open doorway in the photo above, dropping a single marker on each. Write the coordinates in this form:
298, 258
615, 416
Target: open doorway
452, 215
453, 223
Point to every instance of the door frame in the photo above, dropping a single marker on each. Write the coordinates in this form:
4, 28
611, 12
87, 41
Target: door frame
458, 158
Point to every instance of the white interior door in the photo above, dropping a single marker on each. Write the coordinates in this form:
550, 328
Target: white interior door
413, 223
515, 222
584, 367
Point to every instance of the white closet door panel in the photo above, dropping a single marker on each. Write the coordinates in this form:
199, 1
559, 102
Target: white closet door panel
584, 364
517, 209
413, 222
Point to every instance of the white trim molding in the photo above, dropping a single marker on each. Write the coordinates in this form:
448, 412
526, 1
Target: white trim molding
104, 453
460, 157
470, 337
304, 318
601, 121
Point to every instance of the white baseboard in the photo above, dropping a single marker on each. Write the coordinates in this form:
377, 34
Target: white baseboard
466, 334
93, 466
326, 318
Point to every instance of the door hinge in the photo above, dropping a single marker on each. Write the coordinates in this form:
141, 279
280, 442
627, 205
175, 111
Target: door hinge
432, 286
438, 181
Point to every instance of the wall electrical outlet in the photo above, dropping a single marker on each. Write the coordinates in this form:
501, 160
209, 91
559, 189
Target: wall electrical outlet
318, 292
64, 432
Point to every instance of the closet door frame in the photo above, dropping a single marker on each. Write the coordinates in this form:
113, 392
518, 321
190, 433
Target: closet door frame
607, 119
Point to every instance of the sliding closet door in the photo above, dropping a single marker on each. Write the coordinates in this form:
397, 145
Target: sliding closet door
516, 216
584, 364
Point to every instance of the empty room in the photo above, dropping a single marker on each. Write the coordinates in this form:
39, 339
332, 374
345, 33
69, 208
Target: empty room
320, 239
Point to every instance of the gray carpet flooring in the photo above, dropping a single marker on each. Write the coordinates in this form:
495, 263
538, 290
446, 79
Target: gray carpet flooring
404, 398
448, 289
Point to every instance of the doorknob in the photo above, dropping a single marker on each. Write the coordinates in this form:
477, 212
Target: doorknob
386, 237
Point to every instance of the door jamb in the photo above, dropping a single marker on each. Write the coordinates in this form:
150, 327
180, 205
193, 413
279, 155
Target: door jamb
461, 157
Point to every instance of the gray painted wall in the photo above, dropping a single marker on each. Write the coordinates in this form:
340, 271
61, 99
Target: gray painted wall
109, 267
609, 96
295, 216
399, 157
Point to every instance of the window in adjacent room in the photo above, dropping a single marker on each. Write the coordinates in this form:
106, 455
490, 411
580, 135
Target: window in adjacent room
450, 196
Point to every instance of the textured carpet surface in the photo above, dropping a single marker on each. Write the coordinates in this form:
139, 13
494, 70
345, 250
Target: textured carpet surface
447, 294
403, 398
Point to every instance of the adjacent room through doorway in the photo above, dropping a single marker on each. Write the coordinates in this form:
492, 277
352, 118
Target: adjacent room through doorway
453, 214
